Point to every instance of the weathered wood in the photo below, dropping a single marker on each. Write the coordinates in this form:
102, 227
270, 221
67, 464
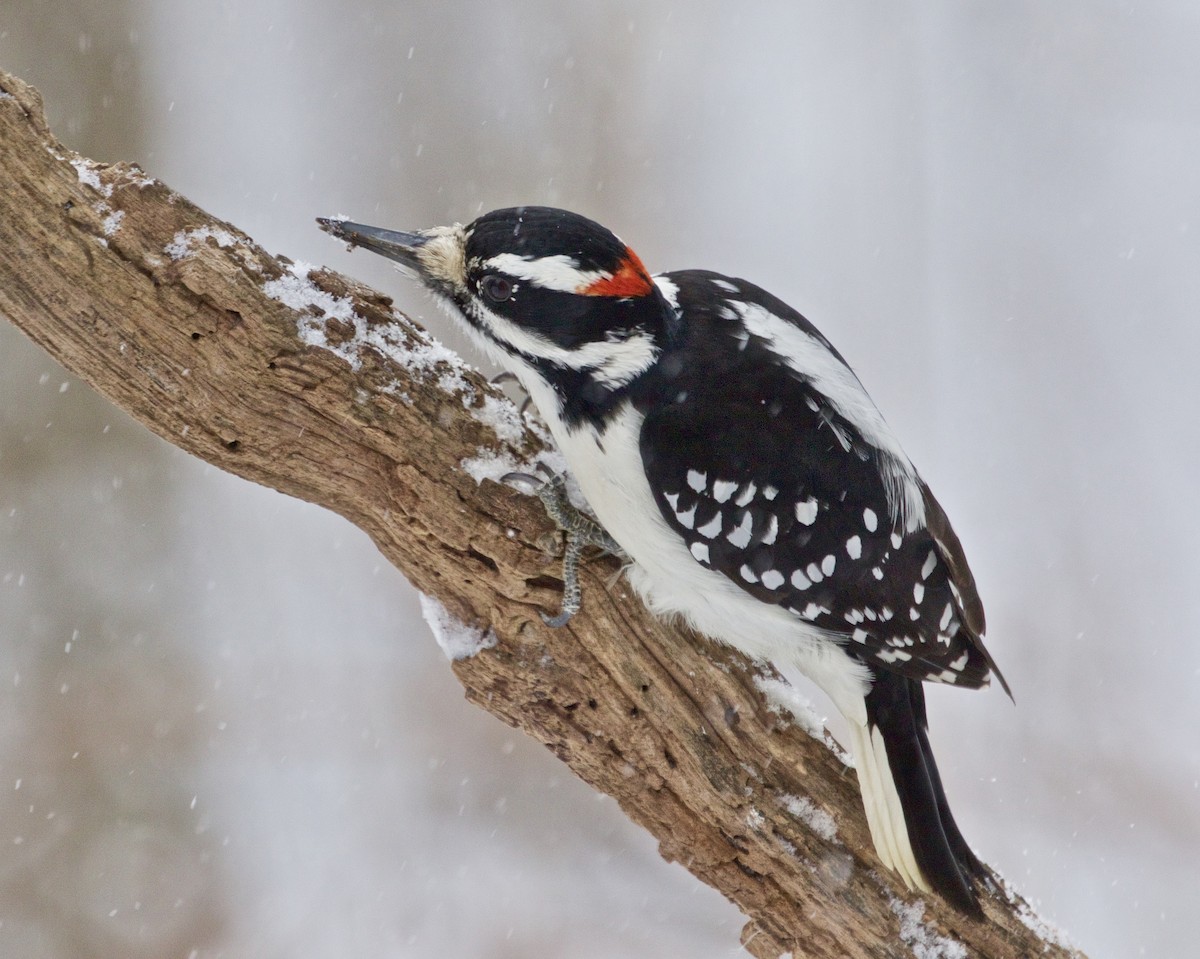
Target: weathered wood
208, 340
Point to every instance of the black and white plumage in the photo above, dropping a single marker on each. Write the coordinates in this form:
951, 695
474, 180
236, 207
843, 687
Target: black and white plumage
728, 448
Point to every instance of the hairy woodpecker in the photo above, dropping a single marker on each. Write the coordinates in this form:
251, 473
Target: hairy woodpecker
732, 453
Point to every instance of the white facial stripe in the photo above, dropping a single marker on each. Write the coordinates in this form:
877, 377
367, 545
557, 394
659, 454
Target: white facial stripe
834, 379
612, 363
558, 272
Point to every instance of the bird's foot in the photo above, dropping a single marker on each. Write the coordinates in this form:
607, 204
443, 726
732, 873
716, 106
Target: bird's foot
581, 532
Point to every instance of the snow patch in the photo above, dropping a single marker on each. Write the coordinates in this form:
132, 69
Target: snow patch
186, 242
504, 417
784, 700
492, 465
1044, 929
423, 357
86, 170
112, 222
457, 639
135, 176
924, 942
416, 351
816, 818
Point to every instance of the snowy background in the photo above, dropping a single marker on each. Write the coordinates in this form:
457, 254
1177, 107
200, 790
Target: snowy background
225, 729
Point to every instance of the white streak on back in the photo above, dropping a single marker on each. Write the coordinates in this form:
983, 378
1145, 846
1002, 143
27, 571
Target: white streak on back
668, 289
837, 382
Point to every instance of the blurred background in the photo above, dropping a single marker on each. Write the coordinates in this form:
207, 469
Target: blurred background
225, 729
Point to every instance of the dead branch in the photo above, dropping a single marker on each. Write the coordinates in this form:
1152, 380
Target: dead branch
310, 383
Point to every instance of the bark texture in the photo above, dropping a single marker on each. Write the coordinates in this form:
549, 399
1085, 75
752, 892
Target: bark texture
310, 383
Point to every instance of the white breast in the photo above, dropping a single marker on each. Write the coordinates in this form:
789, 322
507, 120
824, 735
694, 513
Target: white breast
670, 580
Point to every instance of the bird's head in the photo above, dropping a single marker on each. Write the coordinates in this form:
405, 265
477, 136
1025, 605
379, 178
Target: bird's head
544, 290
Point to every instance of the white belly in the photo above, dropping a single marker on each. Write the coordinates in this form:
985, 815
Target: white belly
672, 582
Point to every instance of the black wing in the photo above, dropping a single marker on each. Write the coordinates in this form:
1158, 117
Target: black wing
771, 486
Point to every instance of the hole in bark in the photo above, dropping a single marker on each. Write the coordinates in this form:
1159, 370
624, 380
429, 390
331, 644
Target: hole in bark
591, 704
195, 336
753, 874
635, 712
737, 842
571, 707
669, 758
233, 445
69, 205
486, 560
645, 687
271, 365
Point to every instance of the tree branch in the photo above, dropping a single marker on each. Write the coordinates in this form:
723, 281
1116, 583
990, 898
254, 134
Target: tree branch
310, 383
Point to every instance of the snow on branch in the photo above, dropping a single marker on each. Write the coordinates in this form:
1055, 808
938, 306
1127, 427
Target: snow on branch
306, 381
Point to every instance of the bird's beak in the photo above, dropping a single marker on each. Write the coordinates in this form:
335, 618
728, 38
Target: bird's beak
404, 248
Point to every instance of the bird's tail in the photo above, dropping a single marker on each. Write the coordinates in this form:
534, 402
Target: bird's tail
910, 820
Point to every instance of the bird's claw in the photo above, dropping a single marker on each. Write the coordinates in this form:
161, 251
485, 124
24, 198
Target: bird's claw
557, 622
526, 480
581, 531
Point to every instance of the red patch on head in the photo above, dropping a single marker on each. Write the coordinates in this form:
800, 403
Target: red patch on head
631, 279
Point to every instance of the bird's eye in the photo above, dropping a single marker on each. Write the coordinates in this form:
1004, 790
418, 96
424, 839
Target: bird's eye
496, 288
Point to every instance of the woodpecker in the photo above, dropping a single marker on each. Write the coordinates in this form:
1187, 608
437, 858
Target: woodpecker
732, 453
